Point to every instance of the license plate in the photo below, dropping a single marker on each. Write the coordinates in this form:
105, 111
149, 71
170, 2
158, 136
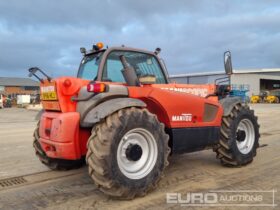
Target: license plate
49, 96
48, 92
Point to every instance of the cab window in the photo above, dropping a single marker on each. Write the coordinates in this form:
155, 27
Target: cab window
144, 64
89, 66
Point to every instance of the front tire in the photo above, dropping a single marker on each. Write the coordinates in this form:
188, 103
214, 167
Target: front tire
127, 153
239, 137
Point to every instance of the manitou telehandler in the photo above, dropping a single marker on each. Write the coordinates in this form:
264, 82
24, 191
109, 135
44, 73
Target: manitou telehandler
123, 116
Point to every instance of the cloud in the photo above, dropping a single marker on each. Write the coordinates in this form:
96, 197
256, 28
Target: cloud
193, 34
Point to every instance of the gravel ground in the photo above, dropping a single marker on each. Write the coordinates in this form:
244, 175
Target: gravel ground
188, 173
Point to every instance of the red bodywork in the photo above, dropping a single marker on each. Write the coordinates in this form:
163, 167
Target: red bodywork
62, 137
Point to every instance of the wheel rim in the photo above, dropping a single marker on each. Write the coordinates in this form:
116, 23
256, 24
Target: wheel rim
245, 136
137, 153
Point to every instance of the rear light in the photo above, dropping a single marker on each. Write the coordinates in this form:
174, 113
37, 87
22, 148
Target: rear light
50, 148
96, 88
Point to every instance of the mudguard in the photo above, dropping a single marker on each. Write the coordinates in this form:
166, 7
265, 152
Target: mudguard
228, 104
108, 107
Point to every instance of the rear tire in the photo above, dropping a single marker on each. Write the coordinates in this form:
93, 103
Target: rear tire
127, 153
52, 163
239, 137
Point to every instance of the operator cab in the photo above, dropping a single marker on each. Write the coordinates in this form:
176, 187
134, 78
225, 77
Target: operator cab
105, 65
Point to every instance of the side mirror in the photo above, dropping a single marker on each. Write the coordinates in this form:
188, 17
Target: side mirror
32, 71
227, 62
83, 50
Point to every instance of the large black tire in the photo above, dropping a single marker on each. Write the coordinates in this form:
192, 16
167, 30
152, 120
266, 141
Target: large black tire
230, 149
102, 157
52, 163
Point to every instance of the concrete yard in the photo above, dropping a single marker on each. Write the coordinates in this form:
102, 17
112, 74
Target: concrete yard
27, 184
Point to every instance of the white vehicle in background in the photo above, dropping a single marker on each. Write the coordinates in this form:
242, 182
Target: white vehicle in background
1, 101
23, 100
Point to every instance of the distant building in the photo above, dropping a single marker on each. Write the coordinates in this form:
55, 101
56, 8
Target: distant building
12, 87
257, 79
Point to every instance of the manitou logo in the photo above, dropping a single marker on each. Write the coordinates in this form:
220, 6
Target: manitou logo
182, 117
195, 91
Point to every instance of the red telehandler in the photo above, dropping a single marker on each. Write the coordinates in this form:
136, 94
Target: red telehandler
123, 116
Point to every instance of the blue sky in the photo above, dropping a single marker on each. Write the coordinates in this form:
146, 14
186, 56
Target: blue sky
193, 34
